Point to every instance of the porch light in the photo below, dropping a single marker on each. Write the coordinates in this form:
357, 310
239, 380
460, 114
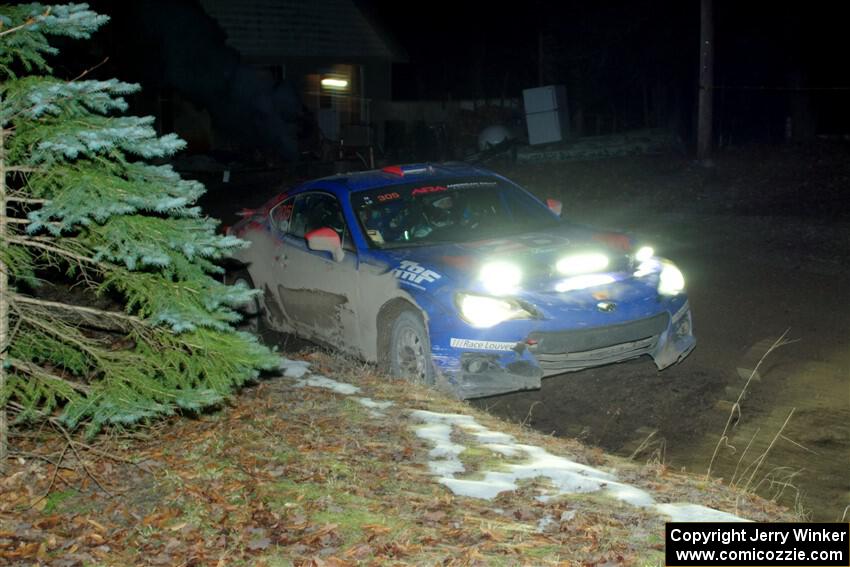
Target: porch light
334, 83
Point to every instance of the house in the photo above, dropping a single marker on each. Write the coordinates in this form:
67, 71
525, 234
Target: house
337, 61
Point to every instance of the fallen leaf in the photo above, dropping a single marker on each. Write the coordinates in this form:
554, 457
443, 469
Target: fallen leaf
100, 527
375, 529
259, 544
359, 551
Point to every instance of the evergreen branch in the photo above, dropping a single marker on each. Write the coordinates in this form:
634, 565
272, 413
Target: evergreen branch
22, 169
40, 243
27, 201
90, 69
14, 220
28, 23
13, 333
18, 408
127, 321
88, 349
38, 372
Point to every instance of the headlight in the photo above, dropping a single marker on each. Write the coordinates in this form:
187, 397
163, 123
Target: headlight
500, 278
670, 281
582, 263
644, 253
482, 311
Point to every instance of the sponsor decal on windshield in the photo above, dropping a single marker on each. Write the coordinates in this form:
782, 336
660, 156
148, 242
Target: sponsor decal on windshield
481, 345
472, 184
427, 190
413, 272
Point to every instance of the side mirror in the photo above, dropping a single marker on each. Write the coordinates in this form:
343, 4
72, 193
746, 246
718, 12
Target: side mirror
555, 206
325, 240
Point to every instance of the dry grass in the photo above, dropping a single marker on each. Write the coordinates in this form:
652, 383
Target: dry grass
287, 475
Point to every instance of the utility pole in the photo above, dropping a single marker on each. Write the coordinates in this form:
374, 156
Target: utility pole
706, 83
540, 51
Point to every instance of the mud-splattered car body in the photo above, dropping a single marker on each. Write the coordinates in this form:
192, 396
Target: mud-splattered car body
506, 291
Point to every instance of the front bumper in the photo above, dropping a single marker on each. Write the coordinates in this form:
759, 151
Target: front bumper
483, 376
478, 373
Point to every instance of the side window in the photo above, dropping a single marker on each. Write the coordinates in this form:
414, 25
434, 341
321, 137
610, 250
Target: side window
281, 214
523, 209
318, 210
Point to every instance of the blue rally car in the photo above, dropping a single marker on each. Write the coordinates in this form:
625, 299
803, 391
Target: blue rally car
455, 276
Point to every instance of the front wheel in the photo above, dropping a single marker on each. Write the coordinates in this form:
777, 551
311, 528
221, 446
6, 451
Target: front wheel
410, 349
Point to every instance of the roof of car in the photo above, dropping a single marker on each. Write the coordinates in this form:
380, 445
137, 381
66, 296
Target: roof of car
395, 175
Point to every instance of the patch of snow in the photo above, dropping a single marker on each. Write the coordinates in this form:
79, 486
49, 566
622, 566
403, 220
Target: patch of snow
637, 497
444, 453
541, 459
372, 404
453, 418
294, 368
684, 512
445, 468
494, 437
563, 475
318, 381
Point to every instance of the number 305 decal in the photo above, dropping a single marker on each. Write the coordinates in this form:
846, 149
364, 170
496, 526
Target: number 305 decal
388, 197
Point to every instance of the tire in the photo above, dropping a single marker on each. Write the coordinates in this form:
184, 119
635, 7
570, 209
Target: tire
250, 311
410, 349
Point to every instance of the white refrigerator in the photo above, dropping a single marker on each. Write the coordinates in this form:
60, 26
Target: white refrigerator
546, 114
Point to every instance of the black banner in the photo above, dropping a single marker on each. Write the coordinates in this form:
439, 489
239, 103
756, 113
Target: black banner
740, 544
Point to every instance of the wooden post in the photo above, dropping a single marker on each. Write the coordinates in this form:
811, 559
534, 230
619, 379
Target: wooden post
706, 82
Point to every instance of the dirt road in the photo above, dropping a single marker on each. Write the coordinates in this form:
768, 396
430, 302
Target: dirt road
750, 279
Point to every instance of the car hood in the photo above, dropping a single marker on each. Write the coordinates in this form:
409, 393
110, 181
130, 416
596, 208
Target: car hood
442, 270
536, 253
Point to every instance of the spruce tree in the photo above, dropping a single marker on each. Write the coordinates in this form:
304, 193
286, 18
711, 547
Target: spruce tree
148, 330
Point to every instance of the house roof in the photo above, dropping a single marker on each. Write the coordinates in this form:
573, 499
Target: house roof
272, 29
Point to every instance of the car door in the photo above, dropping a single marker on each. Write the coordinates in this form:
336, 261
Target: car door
318, 293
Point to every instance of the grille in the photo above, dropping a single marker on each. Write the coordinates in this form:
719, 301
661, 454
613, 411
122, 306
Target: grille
571, 350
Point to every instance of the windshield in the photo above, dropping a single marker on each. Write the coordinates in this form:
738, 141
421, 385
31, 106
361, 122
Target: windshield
456, 211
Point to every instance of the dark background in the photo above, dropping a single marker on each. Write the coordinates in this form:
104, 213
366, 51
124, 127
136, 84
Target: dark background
625, 64
770, 57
